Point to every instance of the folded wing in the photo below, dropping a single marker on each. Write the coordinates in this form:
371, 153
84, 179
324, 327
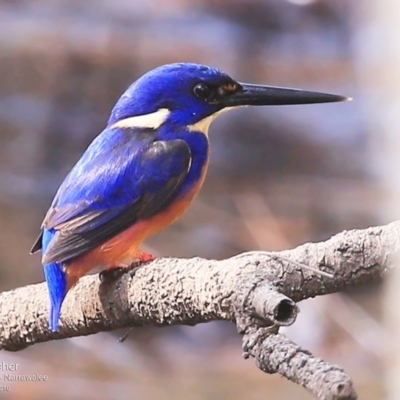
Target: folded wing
106, 193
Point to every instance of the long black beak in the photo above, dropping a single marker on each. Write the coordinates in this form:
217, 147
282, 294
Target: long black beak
258, 95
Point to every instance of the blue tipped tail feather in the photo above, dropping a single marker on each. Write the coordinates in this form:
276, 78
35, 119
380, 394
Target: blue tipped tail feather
56, 283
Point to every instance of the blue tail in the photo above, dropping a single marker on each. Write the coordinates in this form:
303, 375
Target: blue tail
56, 283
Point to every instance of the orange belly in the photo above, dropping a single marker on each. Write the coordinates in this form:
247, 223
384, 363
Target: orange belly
123, 249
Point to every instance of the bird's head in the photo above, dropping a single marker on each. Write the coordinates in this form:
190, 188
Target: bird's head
192, 95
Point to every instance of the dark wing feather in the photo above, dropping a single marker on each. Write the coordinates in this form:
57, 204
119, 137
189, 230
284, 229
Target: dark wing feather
138, 190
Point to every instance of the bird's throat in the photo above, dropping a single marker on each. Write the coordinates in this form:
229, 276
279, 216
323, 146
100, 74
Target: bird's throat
204, 124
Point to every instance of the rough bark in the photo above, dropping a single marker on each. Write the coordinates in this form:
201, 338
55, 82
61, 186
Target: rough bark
257, 291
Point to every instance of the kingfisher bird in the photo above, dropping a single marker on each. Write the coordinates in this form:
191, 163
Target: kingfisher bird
143, 170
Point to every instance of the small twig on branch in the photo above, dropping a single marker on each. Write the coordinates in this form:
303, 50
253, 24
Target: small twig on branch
256, 291
277, 354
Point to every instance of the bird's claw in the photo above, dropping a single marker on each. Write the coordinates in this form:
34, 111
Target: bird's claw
143, 259
111, 274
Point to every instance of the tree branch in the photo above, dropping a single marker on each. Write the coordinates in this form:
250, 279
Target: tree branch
256, 290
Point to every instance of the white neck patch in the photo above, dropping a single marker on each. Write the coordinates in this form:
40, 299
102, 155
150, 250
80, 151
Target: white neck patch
204, 124
152, 121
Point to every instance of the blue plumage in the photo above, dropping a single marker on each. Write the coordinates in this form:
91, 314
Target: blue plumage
109, 180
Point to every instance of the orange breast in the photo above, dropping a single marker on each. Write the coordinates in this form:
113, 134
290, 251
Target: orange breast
123, 249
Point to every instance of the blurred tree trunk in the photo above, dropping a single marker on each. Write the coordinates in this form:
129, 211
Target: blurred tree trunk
379, 64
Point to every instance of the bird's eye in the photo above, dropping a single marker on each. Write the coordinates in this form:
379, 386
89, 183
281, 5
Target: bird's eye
202, 91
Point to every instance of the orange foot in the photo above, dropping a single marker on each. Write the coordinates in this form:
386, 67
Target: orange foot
145, 257
141, 258
114, 272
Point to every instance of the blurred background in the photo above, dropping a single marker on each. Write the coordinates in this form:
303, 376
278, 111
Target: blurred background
278, 177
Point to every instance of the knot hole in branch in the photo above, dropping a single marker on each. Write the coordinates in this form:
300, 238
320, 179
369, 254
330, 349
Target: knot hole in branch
262, 304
